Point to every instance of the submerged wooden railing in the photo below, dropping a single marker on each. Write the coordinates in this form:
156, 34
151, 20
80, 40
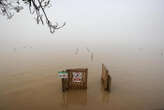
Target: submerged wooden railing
106, 78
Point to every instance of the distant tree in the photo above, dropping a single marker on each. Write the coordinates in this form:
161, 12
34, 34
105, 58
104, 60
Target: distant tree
36, 7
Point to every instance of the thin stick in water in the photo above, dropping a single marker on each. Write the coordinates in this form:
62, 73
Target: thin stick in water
77, 51
92, 56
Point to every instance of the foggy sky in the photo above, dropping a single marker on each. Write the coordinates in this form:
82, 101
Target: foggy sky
117, 21
131, 23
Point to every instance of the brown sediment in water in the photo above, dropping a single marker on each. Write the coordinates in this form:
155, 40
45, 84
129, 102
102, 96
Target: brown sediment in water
136, 84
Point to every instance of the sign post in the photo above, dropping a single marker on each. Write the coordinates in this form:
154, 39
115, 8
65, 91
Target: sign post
64, 77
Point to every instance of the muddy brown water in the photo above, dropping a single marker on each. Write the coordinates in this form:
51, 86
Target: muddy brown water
32, 83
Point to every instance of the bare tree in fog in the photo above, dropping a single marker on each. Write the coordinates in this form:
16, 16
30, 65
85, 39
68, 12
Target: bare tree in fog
36, 7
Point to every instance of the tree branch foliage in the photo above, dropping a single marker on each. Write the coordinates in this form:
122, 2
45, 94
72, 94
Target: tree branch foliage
36, 8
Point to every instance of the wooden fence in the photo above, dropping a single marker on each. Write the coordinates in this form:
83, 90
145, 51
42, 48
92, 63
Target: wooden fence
77, 78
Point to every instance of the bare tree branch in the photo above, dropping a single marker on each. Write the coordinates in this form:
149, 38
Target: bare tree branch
36, 8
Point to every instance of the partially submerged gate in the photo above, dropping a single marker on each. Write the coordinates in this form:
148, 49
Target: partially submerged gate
75, 78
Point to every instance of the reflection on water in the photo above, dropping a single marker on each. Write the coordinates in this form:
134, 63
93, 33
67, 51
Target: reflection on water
105, 95
75, 97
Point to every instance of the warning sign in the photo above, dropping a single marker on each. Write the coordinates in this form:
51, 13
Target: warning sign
77, 76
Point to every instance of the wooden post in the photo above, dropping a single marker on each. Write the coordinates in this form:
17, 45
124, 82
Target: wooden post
65, 85
106, 78
86, 78
108, 84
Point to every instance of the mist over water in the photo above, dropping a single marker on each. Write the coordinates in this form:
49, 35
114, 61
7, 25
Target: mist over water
127, 36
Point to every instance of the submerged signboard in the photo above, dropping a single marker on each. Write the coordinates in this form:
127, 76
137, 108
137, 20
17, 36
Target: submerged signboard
74, 78
63, 74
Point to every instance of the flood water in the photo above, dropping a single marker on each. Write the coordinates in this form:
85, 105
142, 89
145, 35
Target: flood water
29, 79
